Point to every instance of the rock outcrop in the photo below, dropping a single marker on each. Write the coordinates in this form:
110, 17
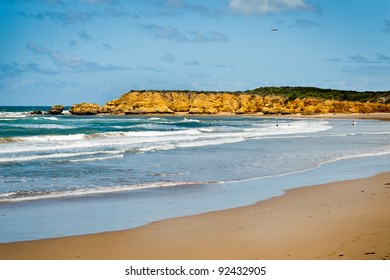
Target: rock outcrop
167, 102
85, 109
36, 112
56, 110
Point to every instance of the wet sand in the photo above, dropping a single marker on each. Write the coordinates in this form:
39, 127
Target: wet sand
341, 220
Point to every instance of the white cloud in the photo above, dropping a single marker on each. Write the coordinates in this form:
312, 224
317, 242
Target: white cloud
263, 7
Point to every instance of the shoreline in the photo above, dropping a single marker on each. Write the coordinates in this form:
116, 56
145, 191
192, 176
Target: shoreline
340, 220
367, 116
364, 116
352, 116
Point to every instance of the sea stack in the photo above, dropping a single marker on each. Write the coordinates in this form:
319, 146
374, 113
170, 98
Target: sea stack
56, 110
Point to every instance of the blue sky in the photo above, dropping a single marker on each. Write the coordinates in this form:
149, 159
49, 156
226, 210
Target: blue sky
66, 52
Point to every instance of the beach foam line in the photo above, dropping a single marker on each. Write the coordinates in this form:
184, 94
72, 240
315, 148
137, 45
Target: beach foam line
51, 118
96, 158
21, 196
13, 114
317, 166
45, 138
42, 126
58, 156
185, 120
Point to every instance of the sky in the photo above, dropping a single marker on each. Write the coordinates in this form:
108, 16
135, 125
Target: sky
73, 51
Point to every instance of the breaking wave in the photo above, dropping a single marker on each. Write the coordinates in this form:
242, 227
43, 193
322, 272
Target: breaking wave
19, 196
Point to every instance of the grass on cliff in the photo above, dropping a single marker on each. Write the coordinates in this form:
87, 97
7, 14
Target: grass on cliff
325, 94
291, 93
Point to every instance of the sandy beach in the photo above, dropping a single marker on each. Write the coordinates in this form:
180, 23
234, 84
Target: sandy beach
371, 116
352, 116
341, 220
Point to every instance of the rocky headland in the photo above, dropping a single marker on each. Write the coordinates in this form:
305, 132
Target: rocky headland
267, 101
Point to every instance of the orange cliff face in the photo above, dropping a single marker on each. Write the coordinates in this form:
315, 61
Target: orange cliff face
166, 102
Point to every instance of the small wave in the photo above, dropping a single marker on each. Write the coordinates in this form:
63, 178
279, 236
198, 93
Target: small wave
95, 158
9, 140
13, 114
191, 120
165, 147
104, 135
50, 118
358, 155
212, 142
318, 165
145, 134
48, 138
208, 129
19, 196
43, 126
58, 156
169, 174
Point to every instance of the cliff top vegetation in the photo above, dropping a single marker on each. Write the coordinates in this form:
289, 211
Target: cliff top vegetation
292, 93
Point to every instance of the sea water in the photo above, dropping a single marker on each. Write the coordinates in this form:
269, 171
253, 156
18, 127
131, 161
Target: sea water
66, 175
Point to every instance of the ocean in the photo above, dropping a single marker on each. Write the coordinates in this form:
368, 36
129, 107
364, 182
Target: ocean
69, 175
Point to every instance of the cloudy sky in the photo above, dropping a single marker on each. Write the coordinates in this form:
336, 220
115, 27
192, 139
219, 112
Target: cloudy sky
66, 52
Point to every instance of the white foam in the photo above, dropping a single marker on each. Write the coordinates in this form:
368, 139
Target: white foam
190, 121
382, 152
95, 158
51, 138
50, 118
213, 142
57, 156
30, 195
13, 114
154, 140
169, 174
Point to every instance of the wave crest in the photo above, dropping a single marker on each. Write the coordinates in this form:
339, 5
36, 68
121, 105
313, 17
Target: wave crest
19, 196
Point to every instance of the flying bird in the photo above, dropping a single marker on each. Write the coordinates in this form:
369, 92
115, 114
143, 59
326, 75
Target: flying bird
274, 29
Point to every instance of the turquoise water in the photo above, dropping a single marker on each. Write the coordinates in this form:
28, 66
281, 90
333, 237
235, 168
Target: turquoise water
67, 175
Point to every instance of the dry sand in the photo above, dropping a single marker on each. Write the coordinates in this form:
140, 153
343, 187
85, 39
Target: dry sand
342, 220
371, 116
